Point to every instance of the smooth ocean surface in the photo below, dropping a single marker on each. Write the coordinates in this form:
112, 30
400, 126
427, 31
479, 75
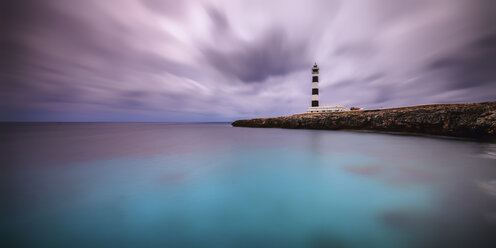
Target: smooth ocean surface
212, 185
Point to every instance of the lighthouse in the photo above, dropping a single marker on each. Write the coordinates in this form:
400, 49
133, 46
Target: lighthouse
315, 85
314, 107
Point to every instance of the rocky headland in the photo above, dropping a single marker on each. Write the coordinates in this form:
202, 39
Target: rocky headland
469, 120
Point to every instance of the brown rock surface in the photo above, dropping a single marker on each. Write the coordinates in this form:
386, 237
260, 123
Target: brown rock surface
471, 120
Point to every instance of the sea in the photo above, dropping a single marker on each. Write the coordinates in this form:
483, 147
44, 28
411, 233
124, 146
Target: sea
214, 185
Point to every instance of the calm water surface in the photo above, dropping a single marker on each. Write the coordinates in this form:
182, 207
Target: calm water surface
212, 185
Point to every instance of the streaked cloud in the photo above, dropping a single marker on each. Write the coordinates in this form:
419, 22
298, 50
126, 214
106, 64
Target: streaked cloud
221, 60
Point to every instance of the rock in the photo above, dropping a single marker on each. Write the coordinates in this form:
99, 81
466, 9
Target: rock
470, 120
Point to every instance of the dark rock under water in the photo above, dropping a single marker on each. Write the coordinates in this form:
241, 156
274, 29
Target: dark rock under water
469, 120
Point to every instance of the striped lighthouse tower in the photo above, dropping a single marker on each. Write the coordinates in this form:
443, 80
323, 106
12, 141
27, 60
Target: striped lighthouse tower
315, 85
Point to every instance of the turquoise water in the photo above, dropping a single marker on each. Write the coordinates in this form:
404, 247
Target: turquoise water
212, 185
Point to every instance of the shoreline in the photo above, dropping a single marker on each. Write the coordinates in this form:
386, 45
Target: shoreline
463, 120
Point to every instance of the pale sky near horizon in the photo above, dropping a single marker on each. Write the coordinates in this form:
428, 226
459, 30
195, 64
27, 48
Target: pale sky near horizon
221, 60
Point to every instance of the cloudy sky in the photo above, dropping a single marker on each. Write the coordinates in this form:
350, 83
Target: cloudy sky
220, 60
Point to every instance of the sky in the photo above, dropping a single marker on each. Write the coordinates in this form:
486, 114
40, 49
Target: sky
221, 60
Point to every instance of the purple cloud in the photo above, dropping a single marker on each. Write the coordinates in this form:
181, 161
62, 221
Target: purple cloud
149, 60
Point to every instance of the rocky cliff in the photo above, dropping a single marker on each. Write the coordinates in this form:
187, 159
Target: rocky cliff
471, 120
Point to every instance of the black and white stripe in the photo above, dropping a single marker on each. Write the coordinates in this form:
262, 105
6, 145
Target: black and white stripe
315, 85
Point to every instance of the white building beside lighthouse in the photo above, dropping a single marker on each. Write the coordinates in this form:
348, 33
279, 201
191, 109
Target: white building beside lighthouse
315, 108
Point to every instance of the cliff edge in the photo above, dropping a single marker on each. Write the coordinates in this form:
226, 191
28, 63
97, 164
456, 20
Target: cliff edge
469, 120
